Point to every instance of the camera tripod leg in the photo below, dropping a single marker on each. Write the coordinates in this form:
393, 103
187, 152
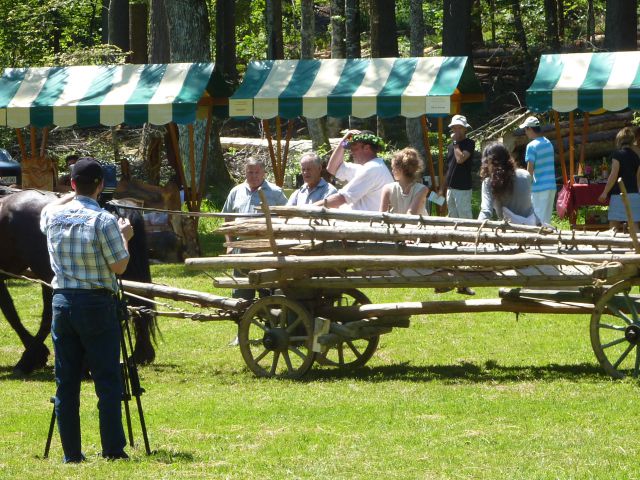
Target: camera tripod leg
52, 424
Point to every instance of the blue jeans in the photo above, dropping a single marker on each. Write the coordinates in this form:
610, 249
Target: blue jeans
85, 325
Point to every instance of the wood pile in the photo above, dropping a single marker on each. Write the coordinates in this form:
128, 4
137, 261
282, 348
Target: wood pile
323, 248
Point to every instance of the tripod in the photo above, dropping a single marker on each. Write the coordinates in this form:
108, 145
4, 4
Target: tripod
130, 379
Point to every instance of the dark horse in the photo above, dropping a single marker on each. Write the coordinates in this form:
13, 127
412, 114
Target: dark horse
23, 245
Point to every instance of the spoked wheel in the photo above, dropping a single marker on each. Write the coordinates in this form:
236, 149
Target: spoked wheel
351, 353
615, 330
276, 338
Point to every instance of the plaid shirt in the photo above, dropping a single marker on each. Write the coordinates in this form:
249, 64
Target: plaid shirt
83, 240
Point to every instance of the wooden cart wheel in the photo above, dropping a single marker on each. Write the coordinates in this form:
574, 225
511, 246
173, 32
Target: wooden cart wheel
276, 338
615, 330
352, 353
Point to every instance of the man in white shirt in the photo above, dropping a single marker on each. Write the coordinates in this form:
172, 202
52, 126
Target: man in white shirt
365, 176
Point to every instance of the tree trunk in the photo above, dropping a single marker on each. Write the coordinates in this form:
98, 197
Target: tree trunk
621, 21
551, 22
138, 20
591, 22
477, 40
226, 39
158, 33
273, 20
492, 20
456, 25
352, 28
119, 24
104, 17
317, 126
416, 49
338, 32
561, 19
384, 38
521, 35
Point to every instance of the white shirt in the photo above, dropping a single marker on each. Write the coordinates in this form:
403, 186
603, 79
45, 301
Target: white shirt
364, 188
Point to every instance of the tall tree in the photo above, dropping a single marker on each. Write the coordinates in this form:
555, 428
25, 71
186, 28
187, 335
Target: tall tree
621, 22
591, 22
158, 33
352, 28
226, 38
521, 35
456, 27
189, 33
416, 49
384, 39
338, 32
317, 126
551, 24
119, 24
477, 38
273, 20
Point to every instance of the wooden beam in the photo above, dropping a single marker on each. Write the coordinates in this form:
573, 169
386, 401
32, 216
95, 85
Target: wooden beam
560, 147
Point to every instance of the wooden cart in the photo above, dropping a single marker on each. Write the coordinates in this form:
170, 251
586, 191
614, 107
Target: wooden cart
314, 262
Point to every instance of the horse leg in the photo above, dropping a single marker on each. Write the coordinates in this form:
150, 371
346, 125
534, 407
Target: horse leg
36, 354
144, 326
11, 314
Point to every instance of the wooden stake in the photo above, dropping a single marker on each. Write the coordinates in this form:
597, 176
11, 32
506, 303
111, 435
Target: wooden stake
560, 146
264, 205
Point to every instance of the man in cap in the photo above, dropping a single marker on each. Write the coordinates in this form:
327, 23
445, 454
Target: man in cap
540, 158
87, 247
458, 179
365, 177
315, 187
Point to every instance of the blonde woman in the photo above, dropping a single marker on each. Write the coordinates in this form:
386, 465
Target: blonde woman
407, 194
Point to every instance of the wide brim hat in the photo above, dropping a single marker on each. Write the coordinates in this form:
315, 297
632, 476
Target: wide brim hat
459, 120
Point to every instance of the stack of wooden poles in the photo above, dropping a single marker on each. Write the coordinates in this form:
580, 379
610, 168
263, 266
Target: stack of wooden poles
319, 248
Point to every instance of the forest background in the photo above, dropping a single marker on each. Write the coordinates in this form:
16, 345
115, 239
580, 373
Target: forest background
504, 39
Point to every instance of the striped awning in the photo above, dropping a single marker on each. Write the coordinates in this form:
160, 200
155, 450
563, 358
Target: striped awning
588, 82
387, 87
102, 95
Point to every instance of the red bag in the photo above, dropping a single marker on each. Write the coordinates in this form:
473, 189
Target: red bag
565, 201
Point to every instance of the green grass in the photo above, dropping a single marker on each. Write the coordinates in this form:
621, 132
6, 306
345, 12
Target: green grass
470, 396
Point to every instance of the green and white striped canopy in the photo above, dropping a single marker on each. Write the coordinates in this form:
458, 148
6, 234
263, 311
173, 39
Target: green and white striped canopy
102, 95
586, 81
387, 87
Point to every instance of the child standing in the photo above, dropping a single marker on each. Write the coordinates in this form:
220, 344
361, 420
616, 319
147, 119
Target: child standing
406, 194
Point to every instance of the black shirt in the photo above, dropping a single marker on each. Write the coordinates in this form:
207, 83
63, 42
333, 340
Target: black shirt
629, 164
459, 174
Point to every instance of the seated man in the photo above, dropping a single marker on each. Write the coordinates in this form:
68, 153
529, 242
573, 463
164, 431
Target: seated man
315, 187
365, 176
244, 198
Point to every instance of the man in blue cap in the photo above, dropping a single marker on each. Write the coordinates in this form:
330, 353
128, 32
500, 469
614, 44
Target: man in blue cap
87, 247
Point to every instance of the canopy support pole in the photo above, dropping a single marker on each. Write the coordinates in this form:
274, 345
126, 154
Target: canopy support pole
173, 134
278, 173
441, 158
583, 142
285, 156
23, 147
571, 148
427, 149
267, 134
560, 146
205, 157
193, 193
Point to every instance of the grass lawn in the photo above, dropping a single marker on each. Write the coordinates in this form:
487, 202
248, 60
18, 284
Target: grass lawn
472, 396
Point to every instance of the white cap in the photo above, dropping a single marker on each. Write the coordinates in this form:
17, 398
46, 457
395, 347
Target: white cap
459, 120
530, 122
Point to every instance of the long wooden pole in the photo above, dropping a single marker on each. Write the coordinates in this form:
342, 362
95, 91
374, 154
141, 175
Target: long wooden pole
193, 192
205, 158
23, 147
583, 142
173, 134
272, 154
279, 174
571, 148
291, 262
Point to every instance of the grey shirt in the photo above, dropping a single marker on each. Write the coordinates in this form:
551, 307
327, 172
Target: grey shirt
519, 201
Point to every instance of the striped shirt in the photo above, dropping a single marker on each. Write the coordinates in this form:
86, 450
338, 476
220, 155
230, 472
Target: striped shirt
83, 240
541, 154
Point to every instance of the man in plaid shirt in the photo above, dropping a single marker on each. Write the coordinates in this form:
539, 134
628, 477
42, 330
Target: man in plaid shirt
87, 249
